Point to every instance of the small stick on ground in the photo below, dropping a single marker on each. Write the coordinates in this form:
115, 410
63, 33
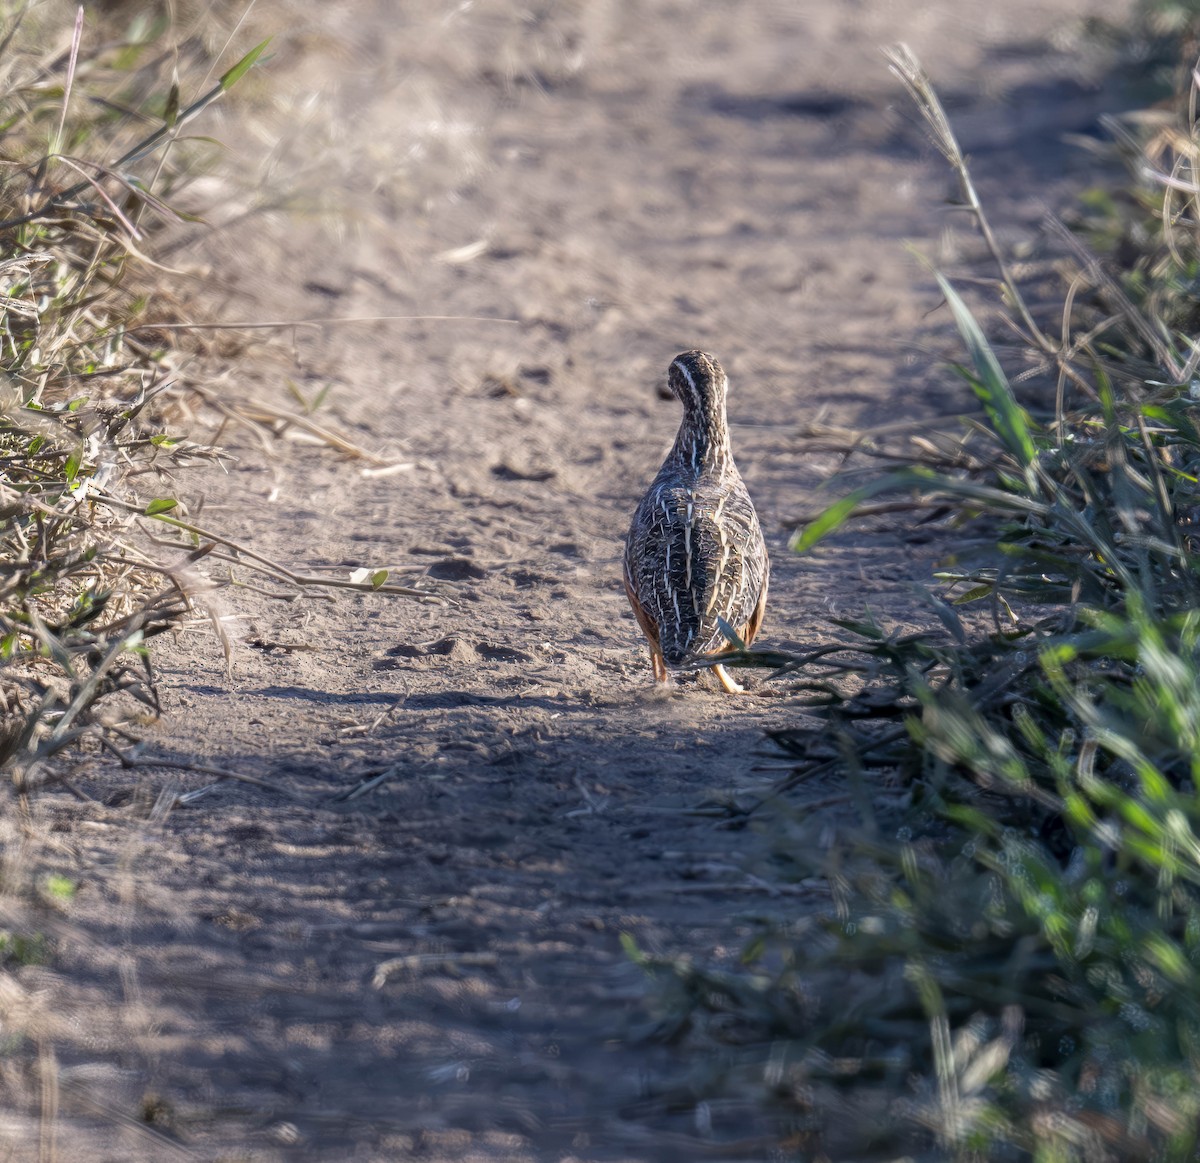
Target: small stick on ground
204, 769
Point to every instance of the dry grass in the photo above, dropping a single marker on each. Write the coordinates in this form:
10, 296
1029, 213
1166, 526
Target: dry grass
98, 552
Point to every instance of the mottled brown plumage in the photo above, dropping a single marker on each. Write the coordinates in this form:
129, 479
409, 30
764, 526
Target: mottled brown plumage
695, 552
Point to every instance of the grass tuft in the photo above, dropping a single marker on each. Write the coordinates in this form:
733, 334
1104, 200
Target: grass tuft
79, 593
1012, 962
99, 550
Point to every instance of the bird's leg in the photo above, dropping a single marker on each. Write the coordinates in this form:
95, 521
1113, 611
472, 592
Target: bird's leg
659, 665
730, 686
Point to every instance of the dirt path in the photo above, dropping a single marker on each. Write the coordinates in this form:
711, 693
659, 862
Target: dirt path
608, 184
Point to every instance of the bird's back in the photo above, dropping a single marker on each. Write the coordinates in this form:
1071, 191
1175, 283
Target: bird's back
695, 554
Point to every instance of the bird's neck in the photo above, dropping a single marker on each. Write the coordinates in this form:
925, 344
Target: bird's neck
703, 439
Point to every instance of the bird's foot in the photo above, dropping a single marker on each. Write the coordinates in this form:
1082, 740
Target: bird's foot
730, 686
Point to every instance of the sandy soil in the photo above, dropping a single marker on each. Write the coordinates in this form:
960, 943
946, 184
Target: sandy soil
599, 185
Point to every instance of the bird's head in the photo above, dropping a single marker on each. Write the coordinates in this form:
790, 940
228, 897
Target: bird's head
698, 381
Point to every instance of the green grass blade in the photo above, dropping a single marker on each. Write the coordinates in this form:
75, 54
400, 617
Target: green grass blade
838, 513
232, 76
1010, 420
